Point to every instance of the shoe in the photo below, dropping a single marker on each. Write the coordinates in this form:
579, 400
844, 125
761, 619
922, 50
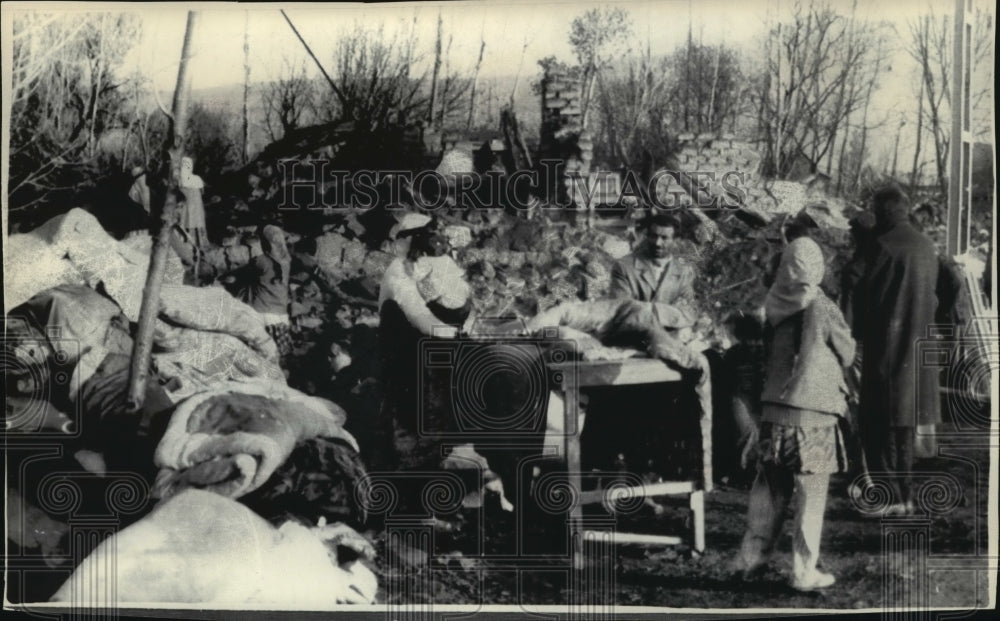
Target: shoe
815, 580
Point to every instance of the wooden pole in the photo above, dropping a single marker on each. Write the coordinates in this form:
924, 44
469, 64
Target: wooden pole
174, 151
329, 80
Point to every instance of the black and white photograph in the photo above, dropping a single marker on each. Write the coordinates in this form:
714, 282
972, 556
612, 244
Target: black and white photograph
534, 309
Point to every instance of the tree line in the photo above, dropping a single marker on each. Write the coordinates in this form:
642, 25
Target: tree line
803, 93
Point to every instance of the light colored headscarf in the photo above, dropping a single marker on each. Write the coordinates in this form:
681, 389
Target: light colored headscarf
797, 282
440, 279
272, 242
188, 178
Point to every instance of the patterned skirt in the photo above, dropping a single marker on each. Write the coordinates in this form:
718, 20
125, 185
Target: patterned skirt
282, 335
803, 450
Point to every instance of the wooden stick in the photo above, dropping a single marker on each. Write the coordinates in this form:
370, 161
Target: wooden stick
333, 85
174, 150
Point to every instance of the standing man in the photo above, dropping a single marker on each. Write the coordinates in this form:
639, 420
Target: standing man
654, 272
897, 393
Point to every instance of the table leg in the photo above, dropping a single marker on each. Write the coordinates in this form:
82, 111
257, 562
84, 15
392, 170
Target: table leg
697, 501
572, 402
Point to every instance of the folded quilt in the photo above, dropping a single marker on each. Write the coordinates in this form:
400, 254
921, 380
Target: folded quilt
232, 438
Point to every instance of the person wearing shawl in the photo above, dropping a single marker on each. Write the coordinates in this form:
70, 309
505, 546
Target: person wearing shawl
809, 345
193, 213
897, 394
263, 284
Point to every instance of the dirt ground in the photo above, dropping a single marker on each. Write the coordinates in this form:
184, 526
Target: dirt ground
479, 562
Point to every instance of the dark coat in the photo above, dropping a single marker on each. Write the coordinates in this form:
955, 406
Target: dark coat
900, 299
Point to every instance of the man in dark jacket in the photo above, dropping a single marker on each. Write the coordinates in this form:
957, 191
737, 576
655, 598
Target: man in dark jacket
896, 393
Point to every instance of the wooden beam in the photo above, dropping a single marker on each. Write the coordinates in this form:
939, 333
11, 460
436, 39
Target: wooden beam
142, 348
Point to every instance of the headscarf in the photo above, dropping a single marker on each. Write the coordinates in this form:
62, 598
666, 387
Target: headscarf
272, 242
797, 281
441, 280
891, 207
188, 178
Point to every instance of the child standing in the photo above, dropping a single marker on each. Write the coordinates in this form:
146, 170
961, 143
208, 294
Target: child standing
801, 444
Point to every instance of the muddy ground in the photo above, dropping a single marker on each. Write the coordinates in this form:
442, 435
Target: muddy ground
480, 564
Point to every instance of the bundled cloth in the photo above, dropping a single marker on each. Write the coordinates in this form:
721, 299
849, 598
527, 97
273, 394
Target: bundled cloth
231, 438
202, 548
74, 249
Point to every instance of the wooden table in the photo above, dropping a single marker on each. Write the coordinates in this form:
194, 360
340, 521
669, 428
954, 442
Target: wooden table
570, 377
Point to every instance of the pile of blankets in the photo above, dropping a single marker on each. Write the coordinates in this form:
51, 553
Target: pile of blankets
231, 439
228, 428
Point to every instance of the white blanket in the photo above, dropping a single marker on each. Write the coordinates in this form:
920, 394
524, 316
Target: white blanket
202, 548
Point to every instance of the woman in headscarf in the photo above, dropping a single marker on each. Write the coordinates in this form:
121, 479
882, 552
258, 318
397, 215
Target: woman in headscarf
193, 214
423, 294
263, 284
809, 345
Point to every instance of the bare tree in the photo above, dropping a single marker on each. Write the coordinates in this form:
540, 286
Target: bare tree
66, 94
287, 100
920, 133
595, 35
246, 88
374, 74
816, 74
694, 104
632, 100
517, 75
437, 70
930, 46
475, 79
983, 65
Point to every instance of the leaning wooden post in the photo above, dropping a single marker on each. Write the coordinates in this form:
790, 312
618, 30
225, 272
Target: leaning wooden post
173, 152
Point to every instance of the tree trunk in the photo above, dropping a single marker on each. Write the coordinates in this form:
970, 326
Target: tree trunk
920, 133
437, 70
446, 85
843, 151
174, 151
895, 152
715, 85
517, 76
95, 98
246, 89
475, 81
588, 94
864, 128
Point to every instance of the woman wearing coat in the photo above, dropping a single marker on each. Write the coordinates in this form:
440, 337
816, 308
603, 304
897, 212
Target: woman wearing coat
809, 346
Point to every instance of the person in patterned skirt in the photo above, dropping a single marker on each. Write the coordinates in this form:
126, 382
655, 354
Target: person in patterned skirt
801, 444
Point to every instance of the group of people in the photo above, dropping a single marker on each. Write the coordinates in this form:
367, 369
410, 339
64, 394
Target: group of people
813, 372
812, 354
192, 209
424, 296
263, 284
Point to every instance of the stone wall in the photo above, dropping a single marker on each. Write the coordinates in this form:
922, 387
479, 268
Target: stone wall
561, 134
